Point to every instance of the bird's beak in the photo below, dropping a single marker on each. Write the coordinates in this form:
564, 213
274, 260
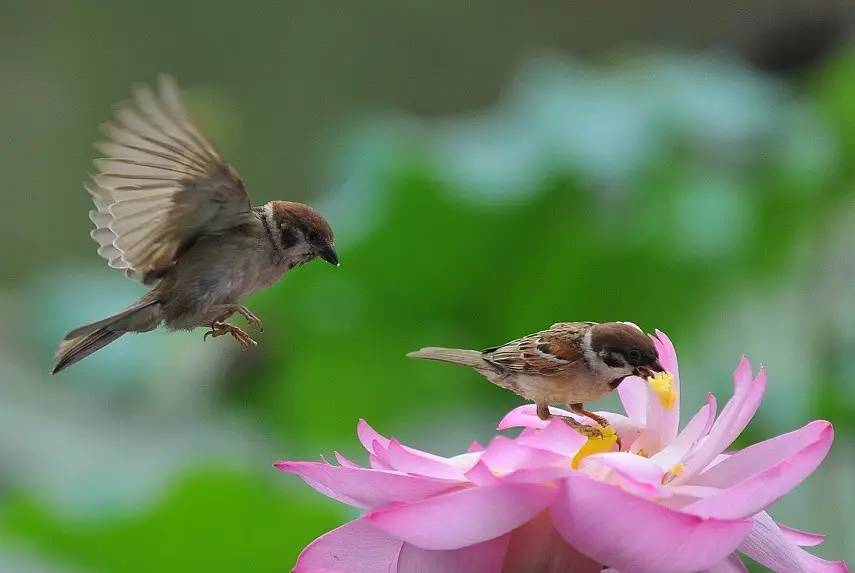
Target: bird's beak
327, 253
649, 371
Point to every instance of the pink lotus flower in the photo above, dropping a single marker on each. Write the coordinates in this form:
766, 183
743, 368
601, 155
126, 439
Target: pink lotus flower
551, 501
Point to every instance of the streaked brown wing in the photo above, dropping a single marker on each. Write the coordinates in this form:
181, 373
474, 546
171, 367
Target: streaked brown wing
543, 353
162, 185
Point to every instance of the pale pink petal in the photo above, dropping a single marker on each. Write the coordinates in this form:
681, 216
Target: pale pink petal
630, 533
405, 460
633, 473
464, 517
742, 374
800, 536
767, 545
755, 393
761, 456
368, 436
633, 396
718, 459
362, 487
556, 437
505, 455
355, 547
359, 547
732, 564
635, 467
344, 461
486, 557
646, 443
481, 475
531, 431
626, 428
665, 420
378, 445
764, 488
377, 463
537, 547
683, 495
734, 417
475, 447
686, 440
537, 475
696, 491
463, 461
526, 416
616, 420
667, 354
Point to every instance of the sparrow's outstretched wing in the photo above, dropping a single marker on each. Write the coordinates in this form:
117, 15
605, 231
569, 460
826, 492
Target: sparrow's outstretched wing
161, 185
543, 353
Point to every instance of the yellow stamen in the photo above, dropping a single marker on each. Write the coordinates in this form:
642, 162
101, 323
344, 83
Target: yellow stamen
669, 476
596, 445
663, 385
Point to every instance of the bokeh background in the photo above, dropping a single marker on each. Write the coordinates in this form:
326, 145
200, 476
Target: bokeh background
490, 168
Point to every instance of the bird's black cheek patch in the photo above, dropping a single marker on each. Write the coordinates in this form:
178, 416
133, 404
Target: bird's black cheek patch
289, 237
612, 361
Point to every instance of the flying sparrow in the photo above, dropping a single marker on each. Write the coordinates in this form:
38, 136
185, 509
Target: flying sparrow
570, 363
172, 213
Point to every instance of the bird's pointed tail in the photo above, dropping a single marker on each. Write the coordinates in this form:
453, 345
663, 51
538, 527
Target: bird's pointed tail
72, 350
83, 341
470, 358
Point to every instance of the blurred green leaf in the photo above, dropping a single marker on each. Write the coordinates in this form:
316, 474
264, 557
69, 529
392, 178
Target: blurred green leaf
212, 521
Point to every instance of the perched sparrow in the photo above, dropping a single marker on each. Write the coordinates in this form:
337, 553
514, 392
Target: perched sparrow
171, 212
570, 363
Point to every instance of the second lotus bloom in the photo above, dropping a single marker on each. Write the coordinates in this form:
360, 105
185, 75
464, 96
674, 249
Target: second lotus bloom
550, 500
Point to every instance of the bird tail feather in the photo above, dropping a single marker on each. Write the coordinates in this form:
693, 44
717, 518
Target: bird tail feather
470, 358
72, 350
92, 327
83, 341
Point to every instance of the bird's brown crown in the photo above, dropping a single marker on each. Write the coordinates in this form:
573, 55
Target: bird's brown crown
301, 214
623, 338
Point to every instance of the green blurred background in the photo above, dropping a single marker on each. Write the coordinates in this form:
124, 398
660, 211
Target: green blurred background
490, 168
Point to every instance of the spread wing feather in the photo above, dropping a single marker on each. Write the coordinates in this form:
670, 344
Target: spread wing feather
161, 185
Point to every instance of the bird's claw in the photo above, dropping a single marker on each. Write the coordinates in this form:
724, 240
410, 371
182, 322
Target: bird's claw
598, 419
223, 328
596, 431
251, 318
580, 409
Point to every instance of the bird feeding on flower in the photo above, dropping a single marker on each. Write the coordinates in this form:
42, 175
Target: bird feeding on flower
172, 213
549, 500
569, 363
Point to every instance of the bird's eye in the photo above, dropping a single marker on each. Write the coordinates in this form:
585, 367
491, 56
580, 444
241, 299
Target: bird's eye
313, 237
634, 356
289, 237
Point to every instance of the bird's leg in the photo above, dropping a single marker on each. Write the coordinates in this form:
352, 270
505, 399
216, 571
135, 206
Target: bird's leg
222, 328
250, 317
226, 310
599, 420
580, 409
588, 431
